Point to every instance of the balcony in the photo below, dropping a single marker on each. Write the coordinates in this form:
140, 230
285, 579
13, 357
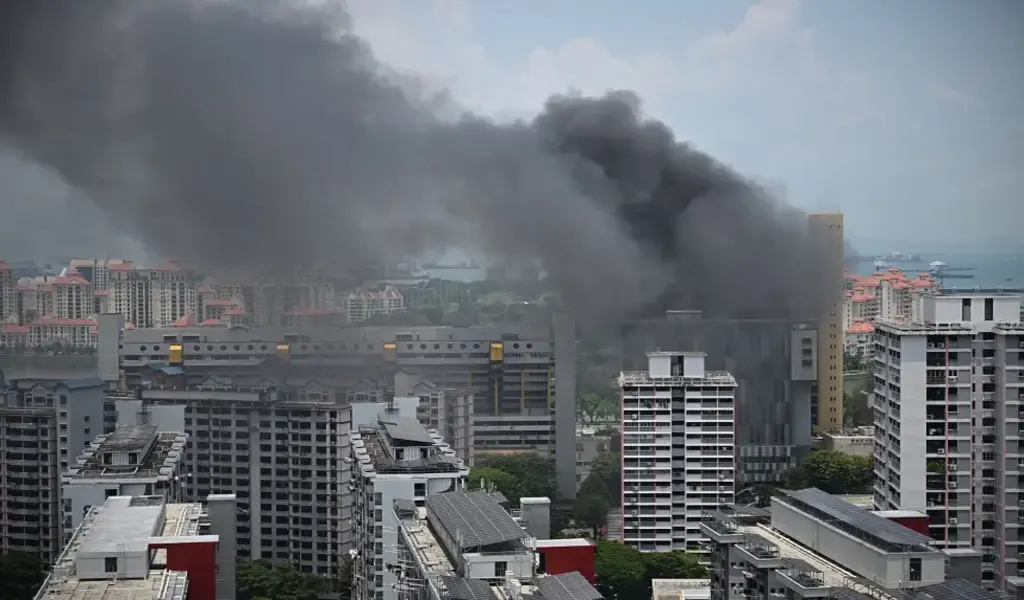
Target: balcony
803, 579
759, 552
720, 528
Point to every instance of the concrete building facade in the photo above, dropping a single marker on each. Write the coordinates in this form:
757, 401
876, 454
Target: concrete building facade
948, 403
775, 363
678, 450
133, 460
395, 459
827, 234
280, 453
143, 548
42, 424
522, 375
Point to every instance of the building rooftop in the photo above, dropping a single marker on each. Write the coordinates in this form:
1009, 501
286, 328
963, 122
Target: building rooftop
375, 455
474, 519
124, 526
110, 456
566, 586
718, 378
406, 432
863, 524
681, 589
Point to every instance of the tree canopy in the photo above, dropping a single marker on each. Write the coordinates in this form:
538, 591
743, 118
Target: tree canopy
604, 480
506, 483
625, 572
278, 581
839, 473
597, 406
591, 511
21, 574
532, 475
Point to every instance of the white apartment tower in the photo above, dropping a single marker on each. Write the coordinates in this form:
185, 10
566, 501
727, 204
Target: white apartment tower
949, 423
395, 459
678, 450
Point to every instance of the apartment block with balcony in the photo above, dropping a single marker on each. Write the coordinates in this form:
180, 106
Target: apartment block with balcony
394, 459
678, 450
949, 404
133, 460
280, 452
41, 425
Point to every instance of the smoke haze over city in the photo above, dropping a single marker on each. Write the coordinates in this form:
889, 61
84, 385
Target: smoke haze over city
249, 137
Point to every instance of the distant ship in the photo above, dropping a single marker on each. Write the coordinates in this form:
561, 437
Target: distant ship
943, 271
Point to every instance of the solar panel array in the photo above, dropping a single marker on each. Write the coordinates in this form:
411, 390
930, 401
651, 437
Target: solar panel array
474, 519
866, 521
407, 430
567, 586
959, 589
460, 588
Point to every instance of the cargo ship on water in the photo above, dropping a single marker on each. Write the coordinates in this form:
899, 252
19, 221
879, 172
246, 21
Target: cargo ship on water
941, 270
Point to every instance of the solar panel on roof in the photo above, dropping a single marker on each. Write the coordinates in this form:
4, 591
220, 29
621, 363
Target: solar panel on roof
567, 586
460, 588
474, 520
870, 523
959, 589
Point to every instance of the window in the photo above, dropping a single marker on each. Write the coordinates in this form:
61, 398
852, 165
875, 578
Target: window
501, 567
110, 564
110, 492
965, 309
990, 309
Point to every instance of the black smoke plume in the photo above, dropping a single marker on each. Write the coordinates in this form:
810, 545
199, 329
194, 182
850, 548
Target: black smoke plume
250, 136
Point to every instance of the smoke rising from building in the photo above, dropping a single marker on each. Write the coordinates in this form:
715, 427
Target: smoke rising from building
249, 136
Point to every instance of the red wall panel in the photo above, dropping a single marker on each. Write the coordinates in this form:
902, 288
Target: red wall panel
199, 560
566, 559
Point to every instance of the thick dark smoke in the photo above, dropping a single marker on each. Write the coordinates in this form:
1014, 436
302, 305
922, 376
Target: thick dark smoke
249, 136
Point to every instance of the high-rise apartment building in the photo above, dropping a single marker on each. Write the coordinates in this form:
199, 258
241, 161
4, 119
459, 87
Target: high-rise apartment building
949, 423
394, 459
827, 235
8, 293
42, 424
133, 460
521, 375
678, 450
774, 362
152, 297
279, 452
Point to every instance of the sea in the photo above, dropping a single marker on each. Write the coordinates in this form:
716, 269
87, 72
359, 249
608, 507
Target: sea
986, 271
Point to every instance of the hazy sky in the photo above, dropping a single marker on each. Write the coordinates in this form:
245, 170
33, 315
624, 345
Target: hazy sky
904, 115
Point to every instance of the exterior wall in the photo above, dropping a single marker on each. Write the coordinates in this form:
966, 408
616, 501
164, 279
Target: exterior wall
130, 565
565, 404
556, 560
482, 566
224, 523
827, 229
886, 569
918, 524
199, 560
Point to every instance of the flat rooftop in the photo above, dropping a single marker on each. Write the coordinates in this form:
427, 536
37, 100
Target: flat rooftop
715, 378
125, 525
681, 589
157, 453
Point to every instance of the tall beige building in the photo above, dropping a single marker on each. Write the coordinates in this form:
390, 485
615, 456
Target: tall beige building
827, 233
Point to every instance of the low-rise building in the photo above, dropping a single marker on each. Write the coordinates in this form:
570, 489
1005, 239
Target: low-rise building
143, 548
464, 545
859, 441
134, 460
814, 545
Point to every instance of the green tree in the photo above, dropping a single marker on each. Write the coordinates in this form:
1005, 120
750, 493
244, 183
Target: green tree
535, 473
506, 483
345, 577
621, 571
795, 478
604, 480
591, 511
279, 581
838, 473
673, 565
21, 574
